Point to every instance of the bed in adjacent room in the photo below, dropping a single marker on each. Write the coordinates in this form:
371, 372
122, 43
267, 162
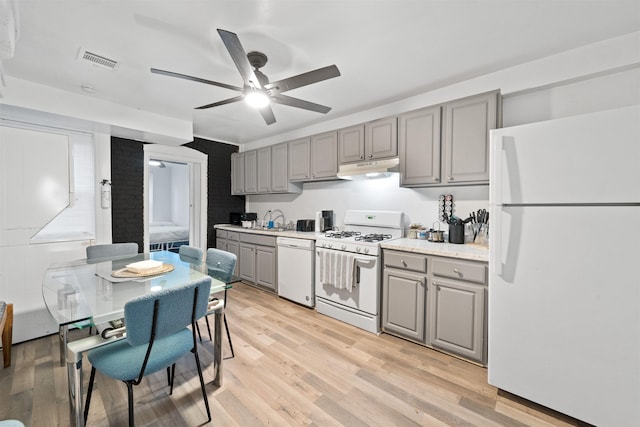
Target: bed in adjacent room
166, 235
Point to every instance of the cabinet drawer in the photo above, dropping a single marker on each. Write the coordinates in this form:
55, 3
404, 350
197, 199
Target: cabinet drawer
233, 235
461, 270
258, 239
221, 234
405, 261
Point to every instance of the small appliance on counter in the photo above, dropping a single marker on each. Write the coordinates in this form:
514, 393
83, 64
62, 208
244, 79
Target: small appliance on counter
305, 225
236, 218
327, 221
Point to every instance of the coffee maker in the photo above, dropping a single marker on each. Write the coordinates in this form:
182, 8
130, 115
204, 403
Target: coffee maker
327, 221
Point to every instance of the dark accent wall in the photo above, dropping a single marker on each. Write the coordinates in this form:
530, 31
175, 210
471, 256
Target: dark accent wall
220, 201
127, 177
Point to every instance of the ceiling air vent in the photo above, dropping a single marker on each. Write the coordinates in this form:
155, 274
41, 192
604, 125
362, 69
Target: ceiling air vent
99, 60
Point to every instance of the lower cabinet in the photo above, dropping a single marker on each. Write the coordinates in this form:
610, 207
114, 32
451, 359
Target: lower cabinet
257, 260
229, 241
436, 301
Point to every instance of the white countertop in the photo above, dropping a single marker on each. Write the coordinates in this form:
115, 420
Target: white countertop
309, 235
467, 251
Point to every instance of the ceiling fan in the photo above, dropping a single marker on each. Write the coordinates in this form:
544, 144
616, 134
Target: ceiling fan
257, 90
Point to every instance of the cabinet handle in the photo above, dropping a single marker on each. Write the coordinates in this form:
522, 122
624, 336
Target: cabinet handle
404, 264
361, 157
435, 178
370, 156
458, 272
450, 178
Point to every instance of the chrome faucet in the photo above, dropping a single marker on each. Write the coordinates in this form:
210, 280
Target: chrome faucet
280, 215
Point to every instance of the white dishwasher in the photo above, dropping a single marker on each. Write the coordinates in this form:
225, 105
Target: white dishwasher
296, 270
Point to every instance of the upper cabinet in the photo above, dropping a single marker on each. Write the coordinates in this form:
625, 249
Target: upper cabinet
314, 158
262, 171
448, 144
370, 141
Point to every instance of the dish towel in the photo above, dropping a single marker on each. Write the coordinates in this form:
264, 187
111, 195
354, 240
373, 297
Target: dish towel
326, 269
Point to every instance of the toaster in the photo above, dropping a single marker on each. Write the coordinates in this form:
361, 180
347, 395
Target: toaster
306, 225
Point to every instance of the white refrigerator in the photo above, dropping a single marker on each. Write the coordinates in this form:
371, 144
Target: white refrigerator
564, 286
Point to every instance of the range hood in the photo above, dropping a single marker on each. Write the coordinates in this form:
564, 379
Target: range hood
372, 169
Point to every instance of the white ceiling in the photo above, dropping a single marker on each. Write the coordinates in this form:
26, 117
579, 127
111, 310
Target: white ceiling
385, 49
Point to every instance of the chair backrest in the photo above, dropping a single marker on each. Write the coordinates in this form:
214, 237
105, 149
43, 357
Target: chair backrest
177, 308
190, 252
222, 261
112, 250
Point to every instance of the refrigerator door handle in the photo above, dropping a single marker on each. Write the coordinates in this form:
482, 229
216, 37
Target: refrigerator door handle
495, 248
496, 170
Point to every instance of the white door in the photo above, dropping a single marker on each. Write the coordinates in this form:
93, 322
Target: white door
564, 311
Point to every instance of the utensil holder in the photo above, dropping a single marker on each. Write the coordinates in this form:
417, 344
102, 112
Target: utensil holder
456, 233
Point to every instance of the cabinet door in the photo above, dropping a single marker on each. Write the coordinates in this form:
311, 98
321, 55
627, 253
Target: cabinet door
465, 138
324, 155
221, 244
264, 170
351, 144
279, 169
266, 267
234, 247
457, 318
381, 138
247, 262
237, 173
299, 160
251, 171
403, 304
419, 147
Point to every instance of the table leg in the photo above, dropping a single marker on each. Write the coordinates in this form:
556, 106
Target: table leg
63, 332
74, 372
217, 347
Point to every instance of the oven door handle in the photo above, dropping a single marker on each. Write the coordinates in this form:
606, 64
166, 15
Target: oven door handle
367, 261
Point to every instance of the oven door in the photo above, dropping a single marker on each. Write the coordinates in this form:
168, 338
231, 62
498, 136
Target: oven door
365, 292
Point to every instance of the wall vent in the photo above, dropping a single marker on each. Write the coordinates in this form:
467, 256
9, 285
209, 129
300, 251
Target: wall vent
99, 60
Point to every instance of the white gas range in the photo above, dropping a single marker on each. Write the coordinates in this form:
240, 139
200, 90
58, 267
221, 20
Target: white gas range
348, 267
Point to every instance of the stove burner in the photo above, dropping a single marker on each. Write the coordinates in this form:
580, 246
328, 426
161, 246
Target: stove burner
341, 234
373, 237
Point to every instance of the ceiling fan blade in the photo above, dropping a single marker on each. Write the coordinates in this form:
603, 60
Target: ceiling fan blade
226, 101
267, 115
239, 56
303, 79
195, 79
299, 103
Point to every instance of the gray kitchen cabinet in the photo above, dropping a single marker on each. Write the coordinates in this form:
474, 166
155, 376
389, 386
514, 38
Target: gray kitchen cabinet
258, 260
351, 144
263, 169
465, 138
233, 246
248, 262
314, 158
381, 138
448, 144
436, 301
404, 295
251, 172
457, 314
221, 240
419, 146
237, 173
280, 171
300, 159
324, 155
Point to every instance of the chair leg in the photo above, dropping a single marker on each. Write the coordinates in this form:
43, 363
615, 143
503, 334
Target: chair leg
204, 392
226, 326
206, 319
173, 374
130, 399
89, 391
7, 335
198, 329
168, 375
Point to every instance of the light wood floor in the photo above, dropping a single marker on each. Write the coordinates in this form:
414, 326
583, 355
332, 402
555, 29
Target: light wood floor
292, 367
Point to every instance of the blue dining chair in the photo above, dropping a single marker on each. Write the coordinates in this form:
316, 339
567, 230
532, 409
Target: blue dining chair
222, 264
187, 251
157, 336
111, 250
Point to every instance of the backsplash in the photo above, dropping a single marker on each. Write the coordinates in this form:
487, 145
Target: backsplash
420, 205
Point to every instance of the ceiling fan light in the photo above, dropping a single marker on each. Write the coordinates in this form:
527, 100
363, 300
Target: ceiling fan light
257, 99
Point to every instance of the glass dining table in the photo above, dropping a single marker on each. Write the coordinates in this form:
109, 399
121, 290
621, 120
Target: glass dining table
88, 291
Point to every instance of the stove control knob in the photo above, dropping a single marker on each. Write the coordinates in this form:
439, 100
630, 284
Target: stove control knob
366, 250
343, 247
329, 245
323, 244
358, 249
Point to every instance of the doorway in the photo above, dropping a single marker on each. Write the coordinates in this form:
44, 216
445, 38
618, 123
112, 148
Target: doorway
175, 198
